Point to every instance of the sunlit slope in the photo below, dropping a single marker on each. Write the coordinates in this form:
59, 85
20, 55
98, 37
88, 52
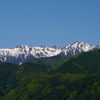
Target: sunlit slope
88, 63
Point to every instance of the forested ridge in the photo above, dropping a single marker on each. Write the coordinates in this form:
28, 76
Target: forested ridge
76, 78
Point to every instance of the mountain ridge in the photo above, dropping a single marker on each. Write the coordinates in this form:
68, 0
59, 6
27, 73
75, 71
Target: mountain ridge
23, 53
75, 79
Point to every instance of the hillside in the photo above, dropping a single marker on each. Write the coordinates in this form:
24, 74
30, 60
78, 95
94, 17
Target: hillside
50, 61
76, 78
88, 63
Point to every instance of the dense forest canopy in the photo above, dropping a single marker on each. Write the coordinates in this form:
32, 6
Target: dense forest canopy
55, 78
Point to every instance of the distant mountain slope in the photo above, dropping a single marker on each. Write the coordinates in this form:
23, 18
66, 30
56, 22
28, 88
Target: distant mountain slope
23, 53
50, 61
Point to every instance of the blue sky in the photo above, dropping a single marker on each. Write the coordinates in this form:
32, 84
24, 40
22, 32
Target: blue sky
49, 22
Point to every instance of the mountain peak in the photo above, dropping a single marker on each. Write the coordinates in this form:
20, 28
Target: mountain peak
79, 42
23, 46
78, 47
24, 53
56, 47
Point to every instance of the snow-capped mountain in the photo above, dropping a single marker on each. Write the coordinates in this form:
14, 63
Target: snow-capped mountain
24, 53
78, 47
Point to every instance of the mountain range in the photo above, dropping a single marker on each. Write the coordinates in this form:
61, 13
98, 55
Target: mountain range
23, 53
77, 78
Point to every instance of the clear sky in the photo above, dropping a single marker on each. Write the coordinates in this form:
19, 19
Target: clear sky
49, 22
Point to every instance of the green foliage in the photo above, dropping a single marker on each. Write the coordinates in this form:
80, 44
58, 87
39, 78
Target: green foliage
50, 61
73, 95
88, 62
77, 78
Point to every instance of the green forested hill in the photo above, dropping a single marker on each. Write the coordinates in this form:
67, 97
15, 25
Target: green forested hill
50, 61
88, 63
77, 78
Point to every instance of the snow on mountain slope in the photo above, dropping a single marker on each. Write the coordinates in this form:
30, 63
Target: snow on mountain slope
23, 53
78, 47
